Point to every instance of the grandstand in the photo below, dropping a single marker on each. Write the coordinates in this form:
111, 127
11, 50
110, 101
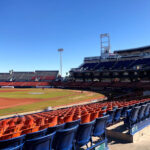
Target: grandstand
28, 79
123, 66
45, 75
22, 76
5, 77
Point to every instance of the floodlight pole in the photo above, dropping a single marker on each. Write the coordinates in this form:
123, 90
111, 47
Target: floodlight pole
105, 44
60, 50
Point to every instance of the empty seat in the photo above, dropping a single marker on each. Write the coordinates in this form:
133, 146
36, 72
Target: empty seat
85, 118
99, 127
36, 134
84, 133
117, 114
11, 143
111, 117
147, 110
72, 123
19, 147
132, 116
64, 139
141, 112
41, 143
55, 128
94, 115
124, 111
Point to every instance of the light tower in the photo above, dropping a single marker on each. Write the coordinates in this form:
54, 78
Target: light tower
60, 50
105, 45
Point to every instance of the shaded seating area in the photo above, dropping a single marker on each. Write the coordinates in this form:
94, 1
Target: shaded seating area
138, 117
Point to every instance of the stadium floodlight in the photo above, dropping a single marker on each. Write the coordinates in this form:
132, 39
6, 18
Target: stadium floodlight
60, 50
105, 45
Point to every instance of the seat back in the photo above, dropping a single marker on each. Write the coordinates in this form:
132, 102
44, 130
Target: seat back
147, 110
141, 112
64, 139
132, 106
99, 126
55, 128
36, 134
117, 114
111, 116
72, 123
134, 115
19, 147
84, 133
124, 111
41, 143
10, 143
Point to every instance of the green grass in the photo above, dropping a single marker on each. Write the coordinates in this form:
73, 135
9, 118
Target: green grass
49, 93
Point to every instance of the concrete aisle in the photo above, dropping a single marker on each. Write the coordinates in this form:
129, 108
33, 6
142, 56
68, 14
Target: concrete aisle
142, 144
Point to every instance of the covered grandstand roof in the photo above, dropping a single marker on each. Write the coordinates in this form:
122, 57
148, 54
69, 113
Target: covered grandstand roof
46, 70
138, 49
23, 72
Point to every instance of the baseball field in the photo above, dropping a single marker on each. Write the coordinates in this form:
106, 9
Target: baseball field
14, 101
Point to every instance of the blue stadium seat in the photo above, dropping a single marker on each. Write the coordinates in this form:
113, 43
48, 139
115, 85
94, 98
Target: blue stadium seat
141, 112
132, 106
55, 128
99, 127
138, 104
124, 111
72, 123
88, 66
132, 116
19, 147
117, 114
41, 143
84, 133
147, 111
36, 134
12, 143
122, 64
111, 117
64, 139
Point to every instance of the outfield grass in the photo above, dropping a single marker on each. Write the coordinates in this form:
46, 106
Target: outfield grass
29, 93
64, 97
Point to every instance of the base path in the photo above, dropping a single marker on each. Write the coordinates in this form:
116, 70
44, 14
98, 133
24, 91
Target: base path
12, 102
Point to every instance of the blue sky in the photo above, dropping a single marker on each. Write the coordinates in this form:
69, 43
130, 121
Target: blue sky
31, 31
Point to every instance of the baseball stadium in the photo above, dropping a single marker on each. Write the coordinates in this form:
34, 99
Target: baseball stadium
101, 95
101, 103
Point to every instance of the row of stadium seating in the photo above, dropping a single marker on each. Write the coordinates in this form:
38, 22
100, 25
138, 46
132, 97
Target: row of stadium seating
16, 126
116, 65
61, 137
34, 128
85, 85
137, 113
29, 76
44, 123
